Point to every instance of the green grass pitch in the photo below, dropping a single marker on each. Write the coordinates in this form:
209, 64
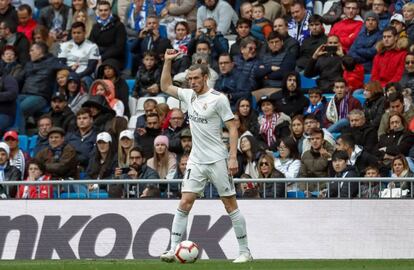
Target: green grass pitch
209, 264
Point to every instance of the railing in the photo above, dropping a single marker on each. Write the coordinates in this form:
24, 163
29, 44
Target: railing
323, 187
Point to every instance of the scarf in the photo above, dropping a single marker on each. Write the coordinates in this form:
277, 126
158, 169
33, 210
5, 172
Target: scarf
136, 19
182, 45
267, 128
102, 22
403, 174
2, 168
332, 111
314, 108
18, 161
158, 7
56, 152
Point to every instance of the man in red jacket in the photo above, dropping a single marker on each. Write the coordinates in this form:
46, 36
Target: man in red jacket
388, 64
347, 30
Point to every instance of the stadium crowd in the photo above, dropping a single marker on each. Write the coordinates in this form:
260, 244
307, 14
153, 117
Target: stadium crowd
67, 66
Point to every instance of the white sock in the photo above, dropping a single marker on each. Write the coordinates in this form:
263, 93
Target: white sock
239, 225
178, 227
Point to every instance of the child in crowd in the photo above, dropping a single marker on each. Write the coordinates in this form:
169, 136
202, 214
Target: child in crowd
261, 27
370, 189
353, 73
9, 64
147, 82
317, 104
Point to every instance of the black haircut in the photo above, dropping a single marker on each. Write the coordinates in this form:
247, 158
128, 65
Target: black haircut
348, 62
340, 154
348, 139
78, 25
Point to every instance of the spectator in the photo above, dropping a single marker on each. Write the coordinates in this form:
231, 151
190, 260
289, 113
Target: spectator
370, 189
339, 107
407, 80
162, 161
246, 11
103, 161
135, 17
220, 11
299, 23
247, 63
408, 13
374, 103
108, 70
186, 9
118, 124
147, 81
80, 54
8, 12
290, 44
353, 74
126, 143
182, 37
317, 106
334, 13
266, 169
388, 52
146, 140
62, 116
39, 74
83, 139
247, 116
9, 90
7, 173
77, 7
9, 63
380, 7
109, 34
250, 152
218, 43
59, 158
275, 64
397, 21
62, 79
10, 36
297, 129
397, 139
272, 9
36, 172
55, 18
175, 189
203, 46
17, 157
81, 16
41, 34
150, 106
106, 88
75, 92
310, 123
228, 82
175, 127
364, 133
347, 30
400, 169
289, 161
273, 123
243, 28
396, 104
44, 124
261, 27
326, 63
317, 38
358, 157
101, 112
137, 170
26, 23
290, 100
363, 48
342, 169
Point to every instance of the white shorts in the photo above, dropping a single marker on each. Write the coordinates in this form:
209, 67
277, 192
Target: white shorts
197, 175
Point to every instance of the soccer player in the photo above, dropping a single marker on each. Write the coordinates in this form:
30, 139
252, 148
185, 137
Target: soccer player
209, 158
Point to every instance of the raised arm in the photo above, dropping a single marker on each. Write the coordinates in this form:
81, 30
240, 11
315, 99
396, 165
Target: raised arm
166, 80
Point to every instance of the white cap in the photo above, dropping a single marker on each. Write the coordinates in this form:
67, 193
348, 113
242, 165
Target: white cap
127, 133
104, 136
397, 17
5, 148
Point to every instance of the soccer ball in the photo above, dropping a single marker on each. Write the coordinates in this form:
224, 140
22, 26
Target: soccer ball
186, 252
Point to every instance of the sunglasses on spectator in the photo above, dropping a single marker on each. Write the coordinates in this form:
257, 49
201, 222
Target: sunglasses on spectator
263, 163
409, 62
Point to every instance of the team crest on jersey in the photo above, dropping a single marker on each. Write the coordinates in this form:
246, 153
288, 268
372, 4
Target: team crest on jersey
205, 106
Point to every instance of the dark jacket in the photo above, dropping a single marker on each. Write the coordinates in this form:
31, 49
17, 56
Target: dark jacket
290, 103
346, 189
9, 90
10, 15
363, 160
145, 78
96, 170
246, 71
121, 87
308, 48
328, 68
158, 46
83, 145
290, 45
47, 15
218, 45
231, 85
174, 139
13, 69
365, 136
39, 76
11, 173
410, 30
270, 188
407, 81
396, 142
102, 121
62, 168
374, 109
274, 79
65, 119
363, 49
146, 141
111, 40
22, 46
41, 143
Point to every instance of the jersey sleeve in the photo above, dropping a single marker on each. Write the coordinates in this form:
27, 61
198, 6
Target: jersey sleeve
185, 95
62, 52
224, 109
94, 53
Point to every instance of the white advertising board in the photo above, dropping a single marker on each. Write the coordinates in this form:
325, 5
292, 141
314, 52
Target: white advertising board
137, 229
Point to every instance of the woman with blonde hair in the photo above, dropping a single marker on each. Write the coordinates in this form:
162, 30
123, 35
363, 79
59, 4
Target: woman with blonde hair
266, 169
126, 143
163, 161
82, 16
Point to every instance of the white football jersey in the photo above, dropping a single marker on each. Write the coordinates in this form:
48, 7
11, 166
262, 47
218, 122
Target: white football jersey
79, 54
206, 113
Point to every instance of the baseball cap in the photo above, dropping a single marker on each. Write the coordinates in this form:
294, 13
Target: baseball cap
60, 96
126, 133
104, 136
5, 148
59, 130
397, 17
186, 133
11, 134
